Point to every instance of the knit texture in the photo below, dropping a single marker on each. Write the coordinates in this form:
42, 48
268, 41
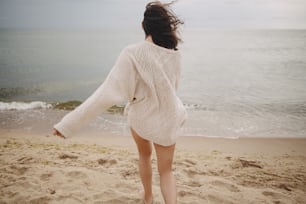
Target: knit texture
146, 76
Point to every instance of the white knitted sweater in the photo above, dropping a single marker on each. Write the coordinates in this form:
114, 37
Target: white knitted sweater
145, 75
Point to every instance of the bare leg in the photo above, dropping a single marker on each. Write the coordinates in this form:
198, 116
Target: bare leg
167, 179
145, 167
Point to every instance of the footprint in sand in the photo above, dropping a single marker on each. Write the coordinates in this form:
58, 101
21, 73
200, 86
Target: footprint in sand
115, 197
107, 162
121, 200
278, 198
255, 164
67, 156
186, 163
229, 186
24, 160
129, 173
40, 200
242, 163
194, 184
46, 176
273, 194
189, 162
184, 193
191, 172
217, 199
77, 175
18, 170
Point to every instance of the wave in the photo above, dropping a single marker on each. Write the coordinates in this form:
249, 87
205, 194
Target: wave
24, 105
68, 105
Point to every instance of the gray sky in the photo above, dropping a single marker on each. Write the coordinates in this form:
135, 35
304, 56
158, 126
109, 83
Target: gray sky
128, 13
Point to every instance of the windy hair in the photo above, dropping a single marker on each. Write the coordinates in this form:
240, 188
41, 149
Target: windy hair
161, 23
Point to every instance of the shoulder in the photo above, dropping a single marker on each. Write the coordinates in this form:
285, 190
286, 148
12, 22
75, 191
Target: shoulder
135, 51
132, 48
143, 47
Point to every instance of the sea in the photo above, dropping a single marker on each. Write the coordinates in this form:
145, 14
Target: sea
234, 83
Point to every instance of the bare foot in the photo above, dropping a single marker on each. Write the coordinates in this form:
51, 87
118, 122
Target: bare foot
148, 200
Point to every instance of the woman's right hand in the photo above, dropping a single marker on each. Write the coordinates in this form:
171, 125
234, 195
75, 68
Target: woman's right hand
58, 133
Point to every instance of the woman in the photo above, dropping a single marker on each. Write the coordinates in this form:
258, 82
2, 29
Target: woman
145, 74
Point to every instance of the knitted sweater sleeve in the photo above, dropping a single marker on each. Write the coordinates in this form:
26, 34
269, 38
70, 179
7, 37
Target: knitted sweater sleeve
118, 87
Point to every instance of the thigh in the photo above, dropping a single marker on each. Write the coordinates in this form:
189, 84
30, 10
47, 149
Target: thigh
144, 146
164, 156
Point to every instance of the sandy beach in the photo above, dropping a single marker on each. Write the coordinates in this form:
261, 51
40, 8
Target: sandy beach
39, 168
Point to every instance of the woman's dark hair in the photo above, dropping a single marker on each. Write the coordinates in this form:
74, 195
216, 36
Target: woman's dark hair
162, 24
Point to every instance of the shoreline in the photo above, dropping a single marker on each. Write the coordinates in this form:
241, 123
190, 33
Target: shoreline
276, 145
38, 116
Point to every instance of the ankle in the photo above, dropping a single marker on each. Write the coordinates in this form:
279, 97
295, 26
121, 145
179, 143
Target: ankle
148, 199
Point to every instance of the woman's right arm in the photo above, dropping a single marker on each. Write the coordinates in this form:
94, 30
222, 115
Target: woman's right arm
118, 87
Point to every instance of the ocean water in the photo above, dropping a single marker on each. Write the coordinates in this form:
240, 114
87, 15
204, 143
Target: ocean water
235, 83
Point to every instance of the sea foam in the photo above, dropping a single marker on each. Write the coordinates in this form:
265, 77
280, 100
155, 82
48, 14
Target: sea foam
24, 105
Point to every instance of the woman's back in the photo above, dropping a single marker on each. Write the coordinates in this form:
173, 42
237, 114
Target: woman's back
155, 102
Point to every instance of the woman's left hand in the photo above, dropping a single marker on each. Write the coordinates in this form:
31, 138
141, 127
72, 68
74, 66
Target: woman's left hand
58, 133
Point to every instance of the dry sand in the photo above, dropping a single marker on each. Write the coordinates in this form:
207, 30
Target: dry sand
44, 169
